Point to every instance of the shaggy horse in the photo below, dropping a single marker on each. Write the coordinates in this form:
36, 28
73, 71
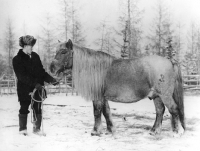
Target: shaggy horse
100, 77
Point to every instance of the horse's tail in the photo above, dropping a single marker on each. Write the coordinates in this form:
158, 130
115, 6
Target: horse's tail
178, 94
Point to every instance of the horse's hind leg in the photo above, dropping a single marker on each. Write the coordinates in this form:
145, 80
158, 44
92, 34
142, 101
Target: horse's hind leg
108, 117
97, 106
160, 109
174, 111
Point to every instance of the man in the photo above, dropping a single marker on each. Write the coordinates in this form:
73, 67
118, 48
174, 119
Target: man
30, 75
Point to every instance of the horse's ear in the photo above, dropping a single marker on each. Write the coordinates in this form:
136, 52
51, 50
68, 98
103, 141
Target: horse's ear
69, 44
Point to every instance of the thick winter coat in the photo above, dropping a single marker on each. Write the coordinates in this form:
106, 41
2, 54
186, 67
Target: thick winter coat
29, 72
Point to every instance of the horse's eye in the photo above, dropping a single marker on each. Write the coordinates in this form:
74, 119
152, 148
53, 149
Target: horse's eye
64, 52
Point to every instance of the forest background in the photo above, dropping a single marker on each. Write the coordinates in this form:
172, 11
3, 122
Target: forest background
123, 28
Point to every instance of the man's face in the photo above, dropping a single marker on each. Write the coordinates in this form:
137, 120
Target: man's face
28, 49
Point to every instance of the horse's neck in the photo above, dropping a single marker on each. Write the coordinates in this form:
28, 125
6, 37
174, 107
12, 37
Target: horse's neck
89, 70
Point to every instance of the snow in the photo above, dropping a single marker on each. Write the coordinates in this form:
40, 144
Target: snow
68, 121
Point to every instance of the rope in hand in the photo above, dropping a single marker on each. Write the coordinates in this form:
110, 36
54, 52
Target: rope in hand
42, 96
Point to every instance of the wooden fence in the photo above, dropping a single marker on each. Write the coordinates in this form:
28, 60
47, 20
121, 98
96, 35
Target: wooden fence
8, 86
191, 82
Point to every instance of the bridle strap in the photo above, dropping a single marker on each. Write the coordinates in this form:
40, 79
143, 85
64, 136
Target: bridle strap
65, 63
64, 66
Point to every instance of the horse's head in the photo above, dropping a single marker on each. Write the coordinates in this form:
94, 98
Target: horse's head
63, 60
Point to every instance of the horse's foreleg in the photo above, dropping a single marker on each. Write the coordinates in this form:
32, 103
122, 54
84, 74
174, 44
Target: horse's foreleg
97, 106
108, 117
160, 109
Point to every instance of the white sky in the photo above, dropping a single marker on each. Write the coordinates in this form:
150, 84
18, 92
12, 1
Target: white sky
31, 12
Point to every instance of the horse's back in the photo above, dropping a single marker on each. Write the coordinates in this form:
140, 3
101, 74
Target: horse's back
157, 63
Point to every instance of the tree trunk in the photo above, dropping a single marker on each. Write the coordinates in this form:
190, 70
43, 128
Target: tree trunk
129, 30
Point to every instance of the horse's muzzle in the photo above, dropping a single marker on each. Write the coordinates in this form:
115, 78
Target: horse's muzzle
52, 67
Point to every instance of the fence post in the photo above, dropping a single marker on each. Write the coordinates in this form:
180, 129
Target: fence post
9, 86
15, 84
66, 84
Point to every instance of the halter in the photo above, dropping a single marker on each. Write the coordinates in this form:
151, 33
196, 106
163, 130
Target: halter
65, 63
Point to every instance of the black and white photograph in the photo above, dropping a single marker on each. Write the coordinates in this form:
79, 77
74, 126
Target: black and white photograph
99, 75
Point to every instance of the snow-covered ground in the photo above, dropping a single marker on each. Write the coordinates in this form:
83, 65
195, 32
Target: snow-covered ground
68, 121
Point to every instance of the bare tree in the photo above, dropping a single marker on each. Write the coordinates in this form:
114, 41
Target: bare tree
48, 41
76, 27
70, 25
192, 38
198, 51
123, 46
130, 25
178, 41
191, 61
168, 34
2, 65
65, 18
158, 28
100, 41
39, 45
105, 41
78, 36
194, 44
108, 43
10, 44
129, 28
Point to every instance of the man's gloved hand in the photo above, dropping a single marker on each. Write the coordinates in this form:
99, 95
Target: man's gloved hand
38, 86
55, 82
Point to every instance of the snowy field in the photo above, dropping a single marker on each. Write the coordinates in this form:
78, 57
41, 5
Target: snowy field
68, 121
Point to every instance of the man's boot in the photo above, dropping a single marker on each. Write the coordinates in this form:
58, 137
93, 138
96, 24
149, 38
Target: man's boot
22, 124
37, 125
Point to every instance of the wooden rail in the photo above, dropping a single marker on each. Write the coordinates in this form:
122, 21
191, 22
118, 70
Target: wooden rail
191, 82
8, 86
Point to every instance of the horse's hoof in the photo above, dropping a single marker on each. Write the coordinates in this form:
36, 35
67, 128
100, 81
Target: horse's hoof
179, 134
95, 133
108, 132
176, 135
154, 132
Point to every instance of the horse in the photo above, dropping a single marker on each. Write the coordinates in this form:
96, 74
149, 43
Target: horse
100, 77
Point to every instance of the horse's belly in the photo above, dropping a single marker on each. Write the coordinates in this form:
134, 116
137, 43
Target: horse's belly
121, 94
126, 82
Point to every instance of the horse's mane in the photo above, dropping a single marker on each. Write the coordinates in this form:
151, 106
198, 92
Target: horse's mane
89, 69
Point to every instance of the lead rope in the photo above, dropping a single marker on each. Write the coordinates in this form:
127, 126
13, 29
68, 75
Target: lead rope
43, 97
